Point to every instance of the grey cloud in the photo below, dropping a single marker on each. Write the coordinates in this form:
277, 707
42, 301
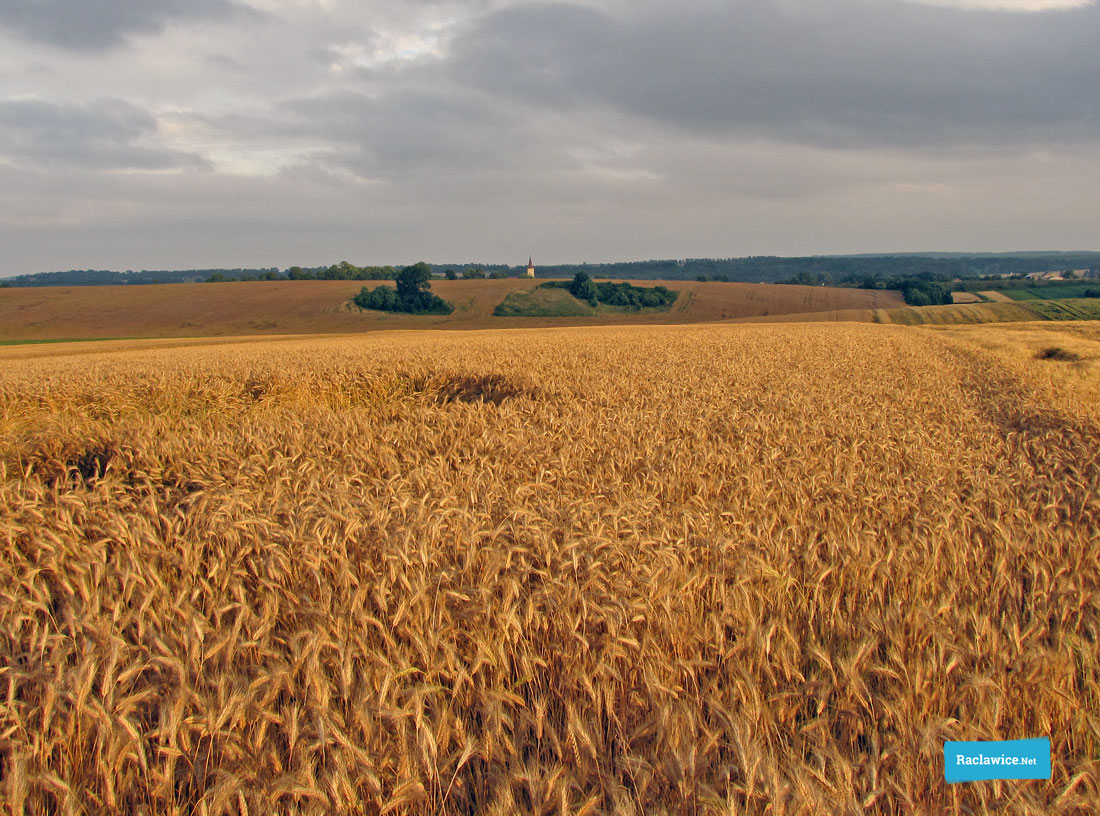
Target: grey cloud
101, 24
852, 73
410, 130
104, 135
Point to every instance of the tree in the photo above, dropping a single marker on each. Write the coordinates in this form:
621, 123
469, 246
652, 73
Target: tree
450, 275
217, 277
413, 280
917, 297
474, 272
383, 298
582, 288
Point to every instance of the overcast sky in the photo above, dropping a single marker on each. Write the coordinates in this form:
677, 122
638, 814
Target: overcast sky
167, 134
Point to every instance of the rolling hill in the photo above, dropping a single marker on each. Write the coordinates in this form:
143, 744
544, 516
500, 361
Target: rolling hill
324, 307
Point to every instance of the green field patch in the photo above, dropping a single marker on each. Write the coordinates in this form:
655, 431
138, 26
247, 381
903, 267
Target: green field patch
543, 302
554, 299
1075, 309
1056, 291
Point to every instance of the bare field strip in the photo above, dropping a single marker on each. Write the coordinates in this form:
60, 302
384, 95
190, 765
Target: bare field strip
323, 307
829, 316
996, 296
966, 297
958, 313
953, 314
726, 569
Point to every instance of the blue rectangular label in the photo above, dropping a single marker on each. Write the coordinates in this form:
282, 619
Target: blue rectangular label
1008, 759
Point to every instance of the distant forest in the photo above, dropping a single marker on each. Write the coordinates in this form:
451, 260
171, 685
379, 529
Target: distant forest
873, 271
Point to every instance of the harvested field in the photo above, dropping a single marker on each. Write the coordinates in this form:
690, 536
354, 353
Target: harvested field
966, 297
953, 314
957, 313
704, 302
634, 570
996, 296
312, 307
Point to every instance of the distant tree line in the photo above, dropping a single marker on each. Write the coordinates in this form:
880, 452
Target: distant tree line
338, 271
342, 271
104, 277
868, 271
847, 270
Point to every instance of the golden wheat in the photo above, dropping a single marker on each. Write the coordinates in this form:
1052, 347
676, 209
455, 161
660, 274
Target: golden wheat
714, 570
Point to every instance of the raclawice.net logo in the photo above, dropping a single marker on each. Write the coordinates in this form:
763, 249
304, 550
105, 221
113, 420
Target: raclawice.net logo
1007, 759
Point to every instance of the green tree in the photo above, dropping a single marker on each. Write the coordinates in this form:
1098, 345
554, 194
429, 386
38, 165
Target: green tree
450, 275
383, 298
583, 288
413, 280
917, 297
474, 272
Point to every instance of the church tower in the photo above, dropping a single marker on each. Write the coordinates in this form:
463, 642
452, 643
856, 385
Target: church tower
530, 268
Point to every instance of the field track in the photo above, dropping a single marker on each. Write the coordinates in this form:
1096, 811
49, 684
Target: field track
625, 570
322, 307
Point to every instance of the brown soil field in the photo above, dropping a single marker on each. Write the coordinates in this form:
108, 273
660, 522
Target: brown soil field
828, 316
996, 296
322, 307
701, 569
966, 297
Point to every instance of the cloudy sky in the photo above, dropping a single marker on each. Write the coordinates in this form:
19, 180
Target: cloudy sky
201, 133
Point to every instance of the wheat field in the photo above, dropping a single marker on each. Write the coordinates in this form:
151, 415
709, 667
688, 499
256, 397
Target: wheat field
631, 570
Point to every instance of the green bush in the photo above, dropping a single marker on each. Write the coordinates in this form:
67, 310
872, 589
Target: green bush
583, 287
925, 293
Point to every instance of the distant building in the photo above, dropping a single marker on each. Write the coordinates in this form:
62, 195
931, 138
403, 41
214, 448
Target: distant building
530, 268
